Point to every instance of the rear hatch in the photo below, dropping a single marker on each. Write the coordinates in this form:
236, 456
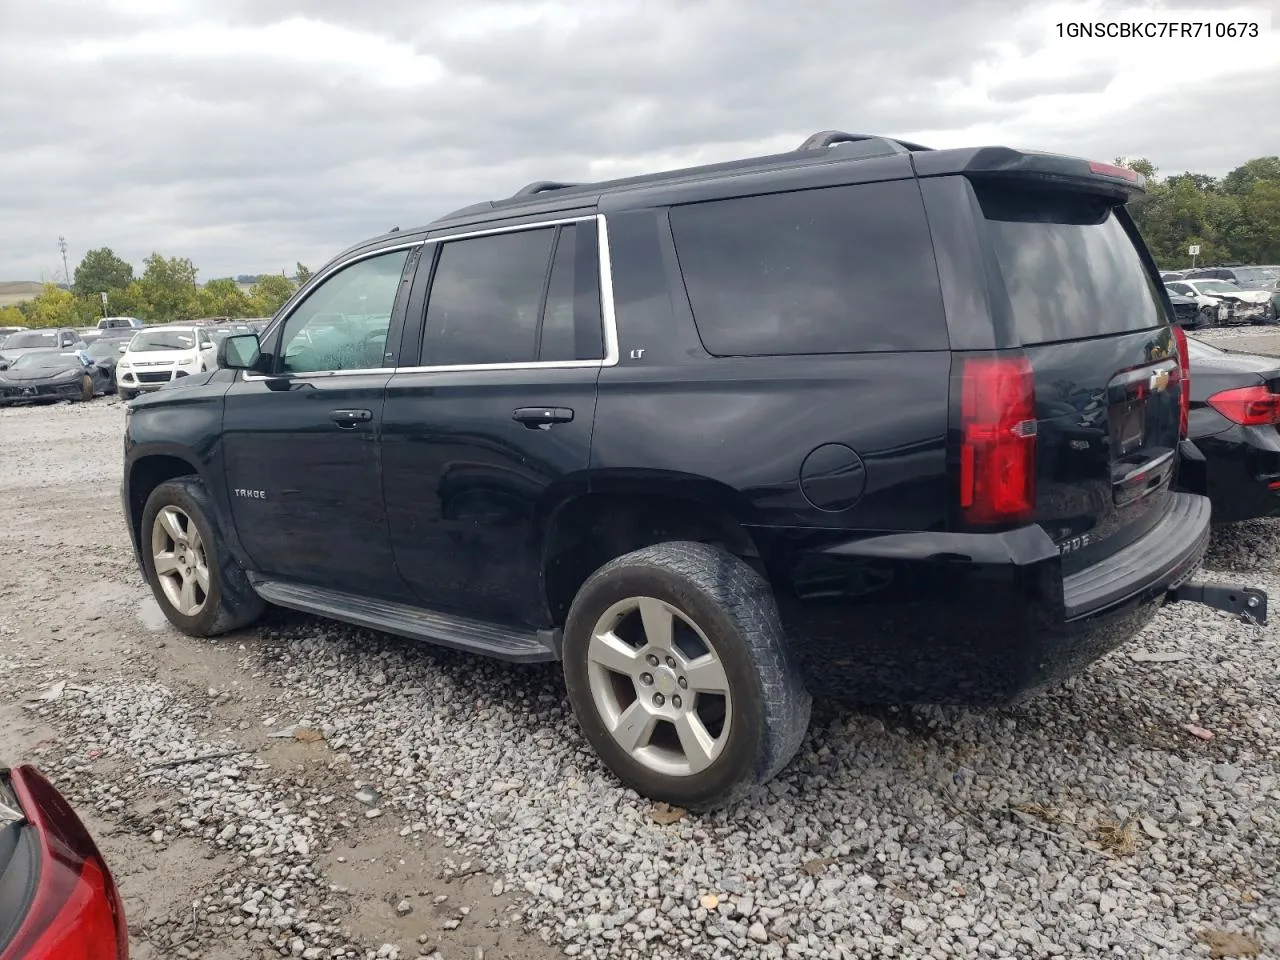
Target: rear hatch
1077, 292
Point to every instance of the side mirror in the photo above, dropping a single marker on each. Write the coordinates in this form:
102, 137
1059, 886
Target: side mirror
239, 352
4, 364
123, 348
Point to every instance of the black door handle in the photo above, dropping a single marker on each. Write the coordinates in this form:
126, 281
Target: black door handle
536, 418
347, 419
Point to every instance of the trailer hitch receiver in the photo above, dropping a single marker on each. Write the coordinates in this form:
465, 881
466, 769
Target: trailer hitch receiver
1248, 603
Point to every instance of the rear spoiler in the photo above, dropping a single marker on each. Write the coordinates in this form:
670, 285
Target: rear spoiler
1106, 179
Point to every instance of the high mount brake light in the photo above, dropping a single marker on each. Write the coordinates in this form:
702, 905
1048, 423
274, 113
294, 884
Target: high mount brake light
76, 913
1248, 406
1112, 170
997, 440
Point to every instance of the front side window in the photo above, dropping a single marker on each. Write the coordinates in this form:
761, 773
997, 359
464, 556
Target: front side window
343, 323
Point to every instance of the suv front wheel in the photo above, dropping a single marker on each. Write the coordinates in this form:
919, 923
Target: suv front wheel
678, 671
197, 583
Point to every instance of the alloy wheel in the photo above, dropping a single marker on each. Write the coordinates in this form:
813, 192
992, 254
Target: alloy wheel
659, 686
180, 561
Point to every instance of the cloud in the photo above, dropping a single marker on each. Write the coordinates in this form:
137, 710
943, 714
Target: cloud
248, 134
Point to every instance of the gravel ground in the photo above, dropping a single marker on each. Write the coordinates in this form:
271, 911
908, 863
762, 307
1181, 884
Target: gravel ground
373, 798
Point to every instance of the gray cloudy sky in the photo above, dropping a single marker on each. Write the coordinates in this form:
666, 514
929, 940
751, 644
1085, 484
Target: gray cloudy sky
249, 134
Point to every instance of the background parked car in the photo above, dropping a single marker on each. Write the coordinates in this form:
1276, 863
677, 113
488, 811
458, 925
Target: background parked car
120, 323
1167, 275
58, 900
104, 353
1187, 313
1227, 302
45, 375
1246, 278
160, 355
27, 340
1235, 410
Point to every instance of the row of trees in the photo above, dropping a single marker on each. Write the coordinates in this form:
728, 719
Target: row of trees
1235, 219
166, 290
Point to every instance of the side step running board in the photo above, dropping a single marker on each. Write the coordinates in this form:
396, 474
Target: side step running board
1248, 603
461, 633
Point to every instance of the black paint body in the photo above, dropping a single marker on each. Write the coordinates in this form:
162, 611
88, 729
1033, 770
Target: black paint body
1241, 463
835, 474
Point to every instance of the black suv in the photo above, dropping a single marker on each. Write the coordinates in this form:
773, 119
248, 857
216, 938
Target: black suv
863, 419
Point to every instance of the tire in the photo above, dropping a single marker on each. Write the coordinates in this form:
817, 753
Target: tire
125, 394
229, 602
86, 388
1208, 317
715, 602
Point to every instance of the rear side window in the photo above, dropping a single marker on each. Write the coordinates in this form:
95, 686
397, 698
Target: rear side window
1070, 268
835, 270
515, 298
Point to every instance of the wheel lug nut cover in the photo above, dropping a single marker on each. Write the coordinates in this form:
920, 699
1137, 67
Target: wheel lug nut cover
646, 679
659, 699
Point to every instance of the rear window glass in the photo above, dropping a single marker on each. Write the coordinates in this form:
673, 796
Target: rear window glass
835, 270
1069, 266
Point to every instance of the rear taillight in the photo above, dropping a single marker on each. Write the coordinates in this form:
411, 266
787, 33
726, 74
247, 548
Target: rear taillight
76, 912
997, 440
1184, 376
1112, 170
1248, 406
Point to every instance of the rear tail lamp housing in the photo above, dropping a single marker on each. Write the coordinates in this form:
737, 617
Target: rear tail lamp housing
997, 439
1184, 378
1248, 406
75, 913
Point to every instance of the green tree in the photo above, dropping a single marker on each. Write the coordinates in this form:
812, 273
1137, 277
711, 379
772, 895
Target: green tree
222, 298
53, 307
304, 274
168, 288
12, 317
1243, 177
101, 271
269, 295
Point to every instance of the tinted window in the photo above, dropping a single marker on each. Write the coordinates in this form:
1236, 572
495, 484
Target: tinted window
485, 298
342, 325
838, 270
1070, 268
571, 318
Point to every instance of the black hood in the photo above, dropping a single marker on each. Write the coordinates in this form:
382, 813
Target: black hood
39, 376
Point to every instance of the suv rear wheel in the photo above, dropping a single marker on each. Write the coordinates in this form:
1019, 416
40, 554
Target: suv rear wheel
197, 583
678, 672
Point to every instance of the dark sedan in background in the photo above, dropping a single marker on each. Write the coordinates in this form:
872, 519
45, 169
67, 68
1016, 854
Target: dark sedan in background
41, 376
1235, 424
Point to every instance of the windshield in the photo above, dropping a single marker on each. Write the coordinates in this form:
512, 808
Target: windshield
162, 340
46, 360
104, 349
1216, 286
33, 338
1254, 274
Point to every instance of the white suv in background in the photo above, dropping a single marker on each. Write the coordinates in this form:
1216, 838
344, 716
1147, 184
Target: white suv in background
157, 355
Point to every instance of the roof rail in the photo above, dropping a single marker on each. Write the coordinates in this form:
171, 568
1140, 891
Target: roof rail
827, 138
542, 186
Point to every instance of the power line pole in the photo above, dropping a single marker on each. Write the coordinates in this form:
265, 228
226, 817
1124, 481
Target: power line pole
66, 271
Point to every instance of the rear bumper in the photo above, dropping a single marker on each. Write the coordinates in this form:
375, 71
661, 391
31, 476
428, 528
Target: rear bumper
979, 619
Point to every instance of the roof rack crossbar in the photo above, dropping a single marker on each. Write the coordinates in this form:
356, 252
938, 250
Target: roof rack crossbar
542, 186
828, 138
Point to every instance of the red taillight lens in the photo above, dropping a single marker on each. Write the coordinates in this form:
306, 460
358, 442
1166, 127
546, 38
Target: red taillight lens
1184, 387
1248, 406
76, 913
997, 440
